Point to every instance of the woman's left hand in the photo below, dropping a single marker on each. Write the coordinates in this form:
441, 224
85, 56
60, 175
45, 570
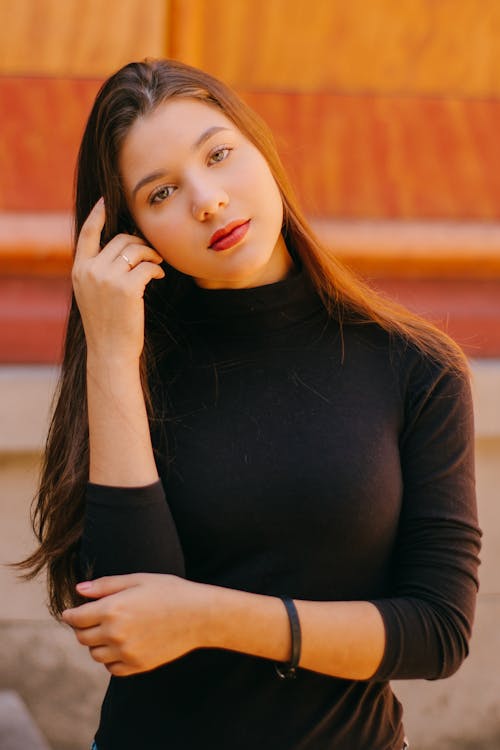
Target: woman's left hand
140, 621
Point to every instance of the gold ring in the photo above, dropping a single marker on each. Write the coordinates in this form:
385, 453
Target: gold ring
122, 255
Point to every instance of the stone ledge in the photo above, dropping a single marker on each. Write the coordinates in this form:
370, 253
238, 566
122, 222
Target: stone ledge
486, 394
59, 682
461, 712
26, 393
25, 399
18, 731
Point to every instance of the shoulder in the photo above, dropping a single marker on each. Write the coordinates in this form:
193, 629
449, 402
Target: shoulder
420, 363
425, 375
417, 373
436, 394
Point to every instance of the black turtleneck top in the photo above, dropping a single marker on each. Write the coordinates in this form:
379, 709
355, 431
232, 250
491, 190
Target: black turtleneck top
303, 458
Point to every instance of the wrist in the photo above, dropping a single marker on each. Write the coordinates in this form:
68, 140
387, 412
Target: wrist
207, 635
288, 670
241, 621
99, 361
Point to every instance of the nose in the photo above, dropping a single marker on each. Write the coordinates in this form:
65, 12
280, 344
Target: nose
207, 200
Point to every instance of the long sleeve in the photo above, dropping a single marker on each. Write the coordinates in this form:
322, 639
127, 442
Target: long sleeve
429, 617
129, 530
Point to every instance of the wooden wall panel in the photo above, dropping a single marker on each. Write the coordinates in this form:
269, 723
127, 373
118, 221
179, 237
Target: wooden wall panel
468, 310
79, 37
385, 110
43, 120
349, 156
388, 46
388, 157
33, 313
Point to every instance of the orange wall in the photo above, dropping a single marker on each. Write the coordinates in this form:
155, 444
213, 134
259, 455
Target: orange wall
382, 110
415, 47
78, 38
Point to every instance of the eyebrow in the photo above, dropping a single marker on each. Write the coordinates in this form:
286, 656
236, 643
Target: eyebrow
162, 173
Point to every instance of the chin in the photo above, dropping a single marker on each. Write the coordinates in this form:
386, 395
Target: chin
237, 272
250, 270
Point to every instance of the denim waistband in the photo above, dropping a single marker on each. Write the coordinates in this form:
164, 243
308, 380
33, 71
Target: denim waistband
406, 745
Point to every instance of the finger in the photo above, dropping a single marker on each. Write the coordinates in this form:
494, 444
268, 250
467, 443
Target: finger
118, 243
89, 239
103, 654
119, 669
84, 616
90, 636
107, 584
142, 274
131, 255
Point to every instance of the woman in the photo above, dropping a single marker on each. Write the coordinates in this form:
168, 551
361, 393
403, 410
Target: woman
260, 471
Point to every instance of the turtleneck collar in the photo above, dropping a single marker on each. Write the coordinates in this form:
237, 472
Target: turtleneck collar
252, 310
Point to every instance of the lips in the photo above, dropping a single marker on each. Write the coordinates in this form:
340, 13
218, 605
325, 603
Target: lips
229, 235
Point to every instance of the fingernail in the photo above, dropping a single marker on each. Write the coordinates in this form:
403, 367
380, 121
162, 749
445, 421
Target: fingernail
84, 586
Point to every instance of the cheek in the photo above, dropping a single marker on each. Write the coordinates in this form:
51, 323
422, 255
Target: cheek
260, 183
270, 190
166, 232
271, 199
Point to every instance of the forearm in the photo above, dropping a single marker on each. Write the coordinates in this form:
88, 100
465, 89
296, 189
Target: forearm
128, 524
341, 639
120, 444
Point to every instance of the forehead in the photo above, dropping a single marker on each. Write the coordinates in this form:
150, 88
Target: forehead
172, 126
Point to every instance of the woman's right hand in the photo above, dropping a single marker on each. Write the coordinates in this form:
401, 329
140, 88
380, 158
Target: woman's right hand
109, 288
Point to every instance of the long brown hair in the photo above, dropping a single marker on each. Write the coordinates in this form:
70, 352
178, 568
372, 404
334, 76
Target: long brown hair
134, 91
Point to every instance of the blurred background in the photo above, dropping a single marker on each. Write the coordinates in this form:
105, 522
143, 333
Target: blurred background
387, 115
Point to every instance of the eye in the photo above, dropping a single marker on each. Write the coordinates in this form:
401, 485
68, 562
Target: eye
161, 194
219, 154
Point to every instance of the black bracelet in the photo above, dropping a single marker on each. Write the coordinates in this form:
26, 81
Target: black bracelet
288, 670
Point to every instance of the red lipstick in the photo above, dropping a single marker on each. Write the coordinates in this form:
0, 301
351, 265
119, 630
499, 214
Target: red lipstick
229, 235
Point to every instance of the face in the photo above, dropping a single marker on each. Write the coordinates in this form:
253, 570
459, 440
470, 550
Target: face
204, 197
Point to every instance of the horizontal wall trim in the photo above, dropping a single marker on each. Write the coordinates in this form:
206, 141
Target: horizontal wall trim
35, 244
415, 249
39, 244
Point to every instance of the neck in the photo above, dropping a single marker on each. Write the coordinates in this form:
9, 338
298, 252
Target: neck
252, 310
